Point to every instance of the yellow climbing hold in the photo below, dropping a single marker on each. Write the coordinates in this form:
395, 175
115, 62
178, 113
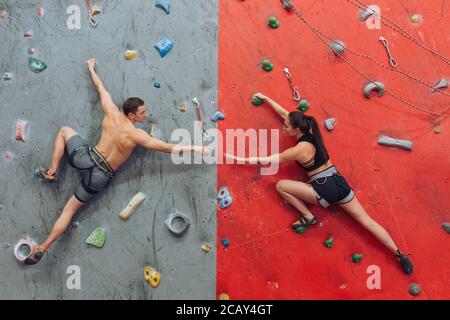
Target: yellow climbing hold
206, 247
131, 54
437, 130
96, 10
152, 276
224, 296
182, 107
415, 18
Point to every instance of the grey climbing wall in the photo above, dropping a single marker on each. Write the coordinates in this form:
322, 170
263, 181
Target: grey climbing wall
63, 95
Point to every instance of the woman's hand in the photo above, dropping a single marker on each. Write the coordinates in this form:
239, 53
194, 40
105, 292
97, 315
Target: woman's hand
230, 156
260, 96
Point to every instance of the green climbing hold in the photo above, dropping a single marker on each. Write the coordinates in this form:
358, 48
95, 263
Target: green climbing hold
301, 229
414, 289
97, 238
36, 65
1, 206
329, 242
257, 101
266, 65
273, 22
303, 106
357, 257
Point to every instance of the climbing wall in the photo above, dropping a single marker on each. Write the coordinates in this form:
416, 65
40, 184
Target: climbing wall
405, 191
63, 95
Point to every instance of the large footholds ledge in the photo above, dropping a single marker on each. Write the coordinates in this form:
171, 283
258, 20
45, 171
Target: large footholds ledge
395, 143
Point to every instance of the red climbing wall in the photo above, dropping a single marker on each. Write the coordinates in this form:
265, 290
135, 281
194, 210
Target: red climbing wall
406, 192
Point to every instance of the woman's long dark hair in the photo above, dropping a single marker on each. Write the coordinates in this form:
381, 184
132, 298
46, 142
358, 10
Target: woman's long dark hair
306, 123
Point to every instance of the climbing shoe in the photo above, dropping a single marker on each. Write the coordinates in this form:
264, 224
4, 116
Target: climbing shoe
404, 262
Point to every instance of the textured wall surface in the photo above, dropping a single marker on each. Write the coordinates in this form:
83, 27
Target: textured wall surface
64, 95
406, 192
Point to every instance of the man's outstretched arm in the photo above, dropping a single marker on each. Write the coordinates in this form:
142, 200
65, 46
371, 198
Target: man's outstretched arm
143, 139
106, 102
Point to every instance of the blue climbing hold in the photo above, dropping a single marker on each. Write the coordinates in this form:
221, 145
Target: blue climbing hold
217, 116
223, 193
225, 242
164, 46
157, 85
226, 202
163, 5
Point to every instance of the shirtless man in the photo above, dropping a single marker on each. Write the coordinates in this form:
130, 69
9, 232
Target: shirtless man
97, 164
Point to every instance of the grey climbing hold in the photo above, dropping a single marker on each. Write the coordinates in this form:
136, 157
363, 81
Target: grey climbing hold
377, 86
287, 4
443, 84
28, 34
329, 123
414, 289
7, 76
217, 116
178, 223
6, 245
163, 5
395, 143
338, 47
75, 224
164, 46
446, 227
364, 14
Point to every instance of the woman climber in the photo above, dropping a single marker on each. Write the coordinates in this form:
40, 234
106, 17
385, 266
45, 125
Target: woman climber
326, 185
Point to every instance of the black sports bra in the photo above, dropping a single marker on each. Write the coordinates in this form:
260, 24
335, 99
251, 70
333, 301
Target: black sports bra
317, 160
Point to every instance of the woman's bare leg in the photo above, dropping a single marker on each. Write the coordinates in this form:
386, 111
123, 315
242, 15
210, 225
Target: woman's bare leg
297, 194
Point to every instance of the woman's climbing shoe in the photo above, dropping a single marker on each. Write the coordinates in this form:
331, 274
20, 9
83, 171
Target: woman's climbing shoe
35, 257
404, 262
43, 173
303, 222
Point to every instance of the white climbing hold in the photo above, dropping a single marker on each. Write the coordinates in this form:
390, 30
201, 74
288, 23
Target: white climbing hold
132, 205
443, 84
329, 123
395, 143
7, 76
377, 86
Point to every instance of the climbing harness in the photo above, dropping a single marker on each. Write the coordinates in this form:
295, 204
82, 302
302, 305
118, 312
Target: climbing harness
391, 58
295, 93
92, 21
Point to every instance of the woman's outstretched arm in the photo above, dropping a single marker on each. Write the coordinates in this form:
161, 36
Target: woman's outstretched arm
275, 106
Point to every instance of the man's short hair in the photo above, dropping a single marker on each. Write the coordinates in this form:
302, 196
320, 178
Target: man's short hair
131, 105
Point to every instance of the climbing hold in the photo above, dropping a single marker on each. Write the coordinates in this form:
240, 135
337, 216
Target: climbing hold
96, 10
266, 65
23, 249
178, 223
40, 11
97, 238
287, 4
223, 193
217, 116
414, 289
257, 101
338, 47
357, 257
21, 128
224, 198
437, 130
377, 86
132, 205
6, 245
1, 206
395, 143
7, 76
182, 107
206, 247
224, 296
152, 276
225, 203
301, 229
163, 5
446, 227
273, 22
329, 242
364, 14
4, 14
131, 54
225, 242
157, 85
31, 51
28, 34
155, 132
164, 46
329, 123
36, 65
443, 84
303, 106
415, 18
75, 224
